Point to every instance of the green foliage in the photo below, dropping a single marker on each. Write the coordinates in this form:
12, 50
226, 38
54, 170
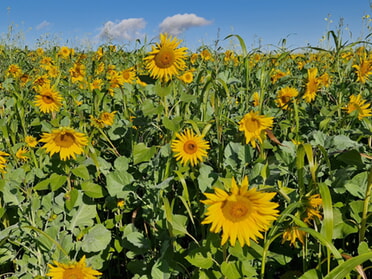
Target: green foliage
135, 211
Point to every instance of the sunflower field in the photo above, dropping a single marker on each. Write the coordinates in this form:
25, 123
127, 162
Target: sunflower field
161, 162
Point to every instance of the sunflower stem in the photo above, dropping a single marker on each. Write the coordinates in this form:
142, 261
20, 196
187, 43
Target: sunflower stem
363, 224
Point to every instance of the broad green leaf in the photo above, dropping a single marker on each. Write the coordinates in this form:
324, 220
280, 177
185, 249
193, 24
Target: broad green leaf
121, 163
160, 270
92, 190
230, 270
116, 181
81, 171
357, 185
82, 216
57, 181
200, 259
71, 198
97, 239
172, 124
142, 153
206, 177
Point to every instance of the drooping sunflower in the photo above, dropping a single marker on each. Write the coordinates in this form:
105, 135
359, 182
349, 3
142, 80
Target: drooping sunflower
292, 233
48, 100
254, 125
65, 141
77, 270
358, 104
312, 205
189, 147
166, 59
243, 214
284, 96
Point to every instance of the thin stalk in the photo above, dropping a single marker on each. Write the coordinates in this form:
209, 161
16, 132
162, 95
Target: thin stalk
363, 224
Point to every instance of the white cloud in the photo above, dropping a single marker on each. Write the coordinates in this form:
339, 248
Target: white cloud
42, 25
127, 29
177, 24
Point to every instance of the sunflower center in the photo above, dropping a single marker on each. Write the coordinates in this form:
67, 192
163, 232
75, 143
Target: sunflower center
164, 58
47, 99
252, 125
285, 99
236, 210
65, 139
190, 147
72, 273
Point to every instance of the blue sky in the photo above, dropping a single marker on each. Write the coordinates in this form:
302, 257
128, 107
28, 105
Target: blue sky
197, 23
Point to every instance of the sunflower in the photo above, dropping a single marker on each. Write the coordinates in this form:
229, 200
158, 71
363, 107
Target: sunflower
363, 70
166, 60
293, 233
104, 119
189, 147
64, 51
48, 100
187, 77
3, 161
73, 270
284, 96
312, 206
241, 214
311, 85
358, 105
254, 125
256, 99
21, 154
129, 75
65, 141
30, 141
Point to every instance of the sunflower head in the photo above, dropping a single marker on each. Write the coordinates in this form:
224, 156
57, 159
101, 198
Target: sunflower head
166, 59
78, 270
241, 208
254, 125
189, 148
48, 100
358, 106
285, 96
65, 141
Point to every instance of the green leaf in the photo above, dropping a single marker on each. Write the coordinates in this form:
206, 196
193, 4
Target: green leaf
346, 267
97, 239
172, 124
92, 190
121, 163
206, 177
357, 185
81, 171
138, 240
160, 270
82, 216
230, 270
142, 153
311, 274
72, 198
57, 181
116, 182
201, 259
327, 228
